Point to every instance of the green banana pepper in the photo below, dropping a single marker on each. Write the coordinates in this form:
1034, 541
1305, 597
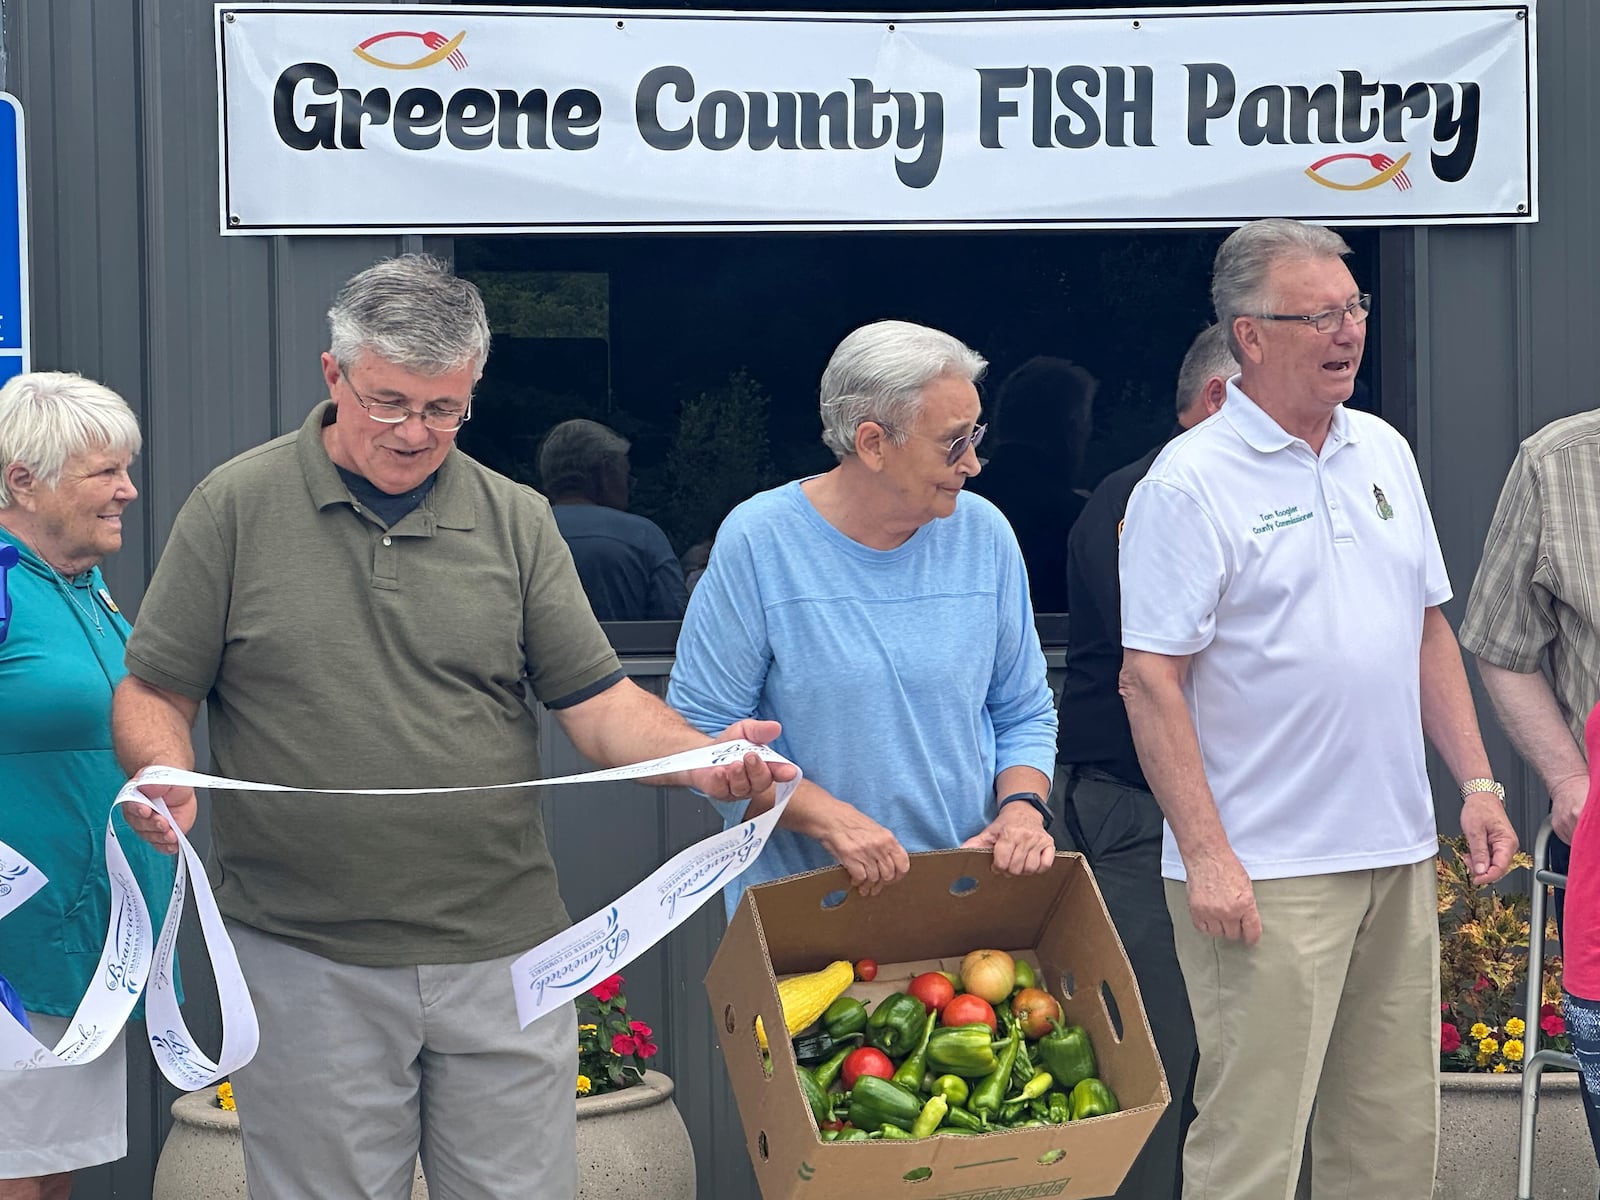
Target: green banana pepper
1058, 1108
988, 1095
1037, 1086
963, 1120
910, 1073
828, 1070
845, 1017
1023, 1069
893, 1133
1066, 1053
1091, 1098
965, 1050
876, 1102
931, 1117
816, 1096
896, 1024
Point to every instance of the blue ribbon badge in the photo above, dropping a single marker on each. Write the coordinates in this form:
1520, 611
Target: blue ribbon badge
8, 994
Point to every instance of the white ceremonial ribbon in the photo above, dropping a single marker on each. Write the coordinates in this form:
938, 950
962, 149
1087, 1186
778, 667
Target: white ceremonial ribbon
543, 977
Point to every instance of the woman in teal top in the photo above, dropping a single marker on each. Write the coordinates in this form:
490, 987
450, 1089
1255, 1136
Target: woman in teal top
65, 447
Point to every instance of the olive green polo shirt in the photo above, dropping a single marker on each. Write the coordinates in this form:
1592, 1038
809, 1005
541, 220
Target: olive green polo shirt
332, 652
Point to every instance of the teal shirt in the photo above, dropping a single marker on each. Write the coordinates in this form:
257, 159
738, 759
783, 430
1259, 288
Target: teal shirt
58, 776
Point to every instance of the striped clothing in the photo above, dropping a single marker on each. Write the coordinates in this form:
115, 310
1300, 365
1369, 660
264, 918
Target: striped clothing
1538, 586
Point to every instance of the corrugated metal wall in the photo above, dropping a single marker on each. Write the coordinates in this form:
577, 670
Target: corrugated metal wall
215, 343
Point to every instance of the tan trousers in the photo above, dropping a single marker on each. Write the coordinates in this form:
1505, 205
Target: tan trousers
1338, 1004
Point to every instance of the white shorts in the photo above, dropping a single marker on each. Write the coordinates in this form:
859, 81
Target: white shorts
63, 1118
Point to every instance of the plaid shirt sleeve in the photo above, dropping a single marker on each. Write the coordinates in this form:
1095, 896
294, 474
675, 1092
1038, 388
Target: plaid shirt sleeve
1510, 614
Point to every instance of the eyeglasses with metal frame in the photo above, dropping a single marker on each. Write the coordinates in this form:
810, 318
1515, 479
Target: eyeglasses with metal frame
954, 450
440, 420
1358, 310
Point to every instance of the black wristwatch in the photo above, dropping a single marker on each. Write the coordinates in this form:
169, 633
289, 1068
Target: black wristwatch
1032, 798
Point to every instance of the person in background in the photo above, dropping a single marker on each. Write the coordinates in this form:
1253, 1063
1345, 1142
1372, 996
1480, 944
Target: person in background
360, 605
1043, 416
1285, 657
882, 615
66, 444
627, 566
1109, 815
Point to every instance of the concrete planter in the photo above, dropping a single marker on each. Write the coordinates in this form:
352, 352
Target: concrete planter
632, 1145
1479, 1117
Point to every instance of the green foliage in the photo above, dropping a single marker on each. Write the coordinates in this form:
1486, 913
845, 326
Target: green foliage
547, 304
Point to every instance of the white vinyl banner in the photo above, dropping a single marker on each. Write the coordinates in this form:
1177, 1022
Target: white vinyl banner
460, 119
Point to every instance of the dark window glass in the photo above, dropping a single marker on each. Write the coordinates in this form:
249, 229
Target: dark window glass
705, 353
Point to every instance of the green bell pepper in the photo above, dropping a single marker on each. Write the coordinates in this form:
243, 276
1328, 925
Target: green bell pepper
953, 1088
844, 1017
895, 1026
965, 1050
988, 1095
910, 1073
876, 1102
1066, 1053
1091, 1098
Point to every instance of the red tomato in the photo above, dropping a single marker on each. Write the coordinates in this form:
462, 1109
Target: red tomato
865, 1061
1035, 1008
867, 970
933, 989
967, 1009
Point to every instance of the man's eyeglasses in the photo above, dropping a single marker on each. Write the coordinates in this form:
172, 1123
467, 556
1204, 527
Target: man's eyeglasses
954, 450
442, 420
1358, 310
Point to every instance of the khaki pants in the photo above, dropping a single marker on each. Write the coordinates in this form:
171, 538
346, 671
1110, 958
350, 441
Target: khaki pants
1338, 1004
362, 1067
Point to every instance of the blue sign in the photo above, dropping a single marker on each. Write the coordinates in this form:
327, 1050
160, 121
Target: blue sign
15, 332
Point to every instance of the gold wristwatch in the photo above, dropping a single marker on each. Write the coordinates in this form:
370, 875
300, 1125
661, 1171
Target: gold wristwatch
1470, 787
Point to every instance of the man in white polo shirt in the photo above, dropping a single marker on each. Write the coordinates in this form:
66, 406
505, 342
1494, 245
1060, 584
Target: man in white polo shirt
1285, 654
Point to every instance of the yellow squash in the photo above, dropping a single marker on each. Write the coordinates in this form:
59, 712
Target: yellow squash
806, 997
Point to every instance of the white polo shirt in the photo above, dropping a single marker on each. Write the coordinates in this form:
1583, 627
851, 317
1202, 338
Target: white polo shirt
1297, 583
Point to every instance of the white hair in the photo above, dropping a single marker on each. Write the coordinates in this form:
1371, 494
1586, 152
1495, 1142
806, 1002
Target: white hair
414, 312
49, 417
878, 374
1247, 256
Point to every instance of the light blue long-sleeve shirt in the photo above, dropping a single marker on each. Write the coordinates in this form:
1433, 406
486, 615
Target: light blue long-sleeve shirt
906, 680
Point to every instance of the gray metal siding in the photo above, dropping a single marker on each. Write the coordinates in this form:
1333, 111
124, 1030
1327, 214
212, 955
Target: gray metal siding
215, 343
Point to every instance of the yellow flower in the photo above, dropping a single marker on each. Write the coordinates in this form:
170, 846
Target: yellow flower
225, 1097
1498, 1067
1487, 1047
587, 1028
1478, 1032
583, 1085
1516, 1027
1513, 1050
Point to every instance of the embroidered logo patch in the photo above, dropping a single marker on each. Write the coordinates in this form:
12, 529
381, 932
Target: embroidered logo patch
1385, 509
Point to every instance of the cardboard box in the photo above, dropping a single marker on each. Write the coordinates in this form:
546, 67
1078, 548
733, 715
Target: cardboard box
950, 903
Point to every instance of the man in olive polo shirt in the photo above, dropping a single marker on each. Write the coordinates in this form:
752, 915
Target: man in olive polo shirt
362, 606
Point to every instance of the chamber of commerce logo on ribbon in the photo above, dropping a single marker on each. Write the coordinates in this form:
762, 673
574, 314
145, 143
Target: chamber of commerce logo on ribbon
1343, 179
436, 48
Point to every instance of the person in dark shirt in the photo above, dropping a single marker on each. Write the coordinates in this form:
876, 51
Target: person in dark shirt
1043, 414
1110, 817
624, 561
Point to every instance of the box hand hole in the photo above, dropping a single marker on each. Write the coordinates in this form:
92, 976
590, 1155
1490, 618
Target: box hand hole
834, 899
964, 886
1112, 1011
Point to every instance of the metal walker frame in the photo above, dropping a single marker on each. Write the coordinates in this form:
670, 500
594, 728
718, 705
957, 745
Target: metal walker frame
1536, 1064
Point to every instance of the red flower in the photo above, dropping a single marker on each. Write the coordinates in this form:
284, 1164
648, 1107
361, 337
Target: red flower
624, 1044
607, 988
646, 1048
1449, 1038
1553, 1025
1481, 984
640, 1029
1549, 1010
1445, 1007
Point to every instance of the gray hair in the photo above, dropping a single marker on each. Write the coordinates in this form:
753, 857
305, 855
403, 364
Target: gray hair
878, 374
1208, 356
1239, 273
49, 417
573, 450
412, 311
